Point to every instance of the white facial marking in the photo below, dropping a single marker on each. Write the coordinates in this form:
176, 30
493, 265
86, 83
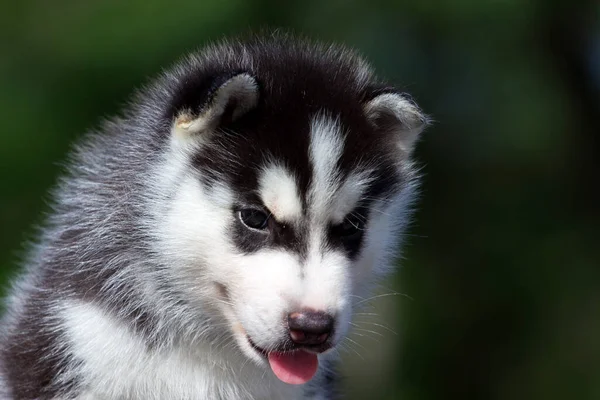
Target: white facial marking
326, 147
349, 195
278, 190
197, 221
327, 276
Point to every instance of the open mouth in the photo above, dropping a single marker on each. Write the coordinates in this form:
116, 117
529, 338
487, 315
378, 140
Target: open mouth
259, 350
294, 366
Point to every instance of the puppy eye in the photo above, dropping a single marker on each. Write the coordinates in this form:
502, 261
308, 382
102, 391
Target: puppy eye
352, 226
254, 219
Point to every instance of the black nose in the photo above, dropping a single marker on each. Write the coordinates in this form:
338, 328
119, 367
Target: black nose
309, 327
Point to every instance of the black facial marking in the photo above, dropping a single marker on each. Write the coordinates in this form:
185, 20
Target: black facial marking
349, 234
275, 235
351, 227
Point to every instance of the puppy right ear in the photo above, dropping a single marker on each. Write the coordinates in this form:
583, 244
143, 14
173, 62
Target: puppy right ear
232, 99
392, 112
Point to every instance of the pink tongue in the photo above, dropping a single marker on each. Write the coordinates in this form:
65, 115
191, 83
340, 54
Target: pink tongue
295, 368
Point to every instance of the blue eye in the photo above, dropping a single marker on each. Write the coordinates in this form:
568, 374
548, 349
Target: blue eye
254, 219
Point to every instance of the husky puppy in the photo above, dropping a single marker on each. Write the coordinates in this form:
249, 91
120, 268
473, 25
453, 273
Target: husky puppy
211, 242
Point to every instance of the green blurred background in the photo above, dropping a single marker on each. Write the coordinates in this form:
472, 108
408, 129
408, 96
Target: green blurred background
502, 266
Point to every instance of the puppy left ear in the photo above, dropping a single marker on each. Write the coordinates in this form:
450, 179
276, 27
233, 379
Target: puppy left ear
232, 99
397, 114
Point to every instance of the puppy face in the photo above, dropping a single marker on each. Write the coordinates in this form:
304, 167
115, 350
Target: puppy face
290, 183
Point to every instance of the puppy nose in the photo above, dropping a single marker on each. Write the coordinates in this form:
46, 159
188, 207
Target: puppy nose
310, 327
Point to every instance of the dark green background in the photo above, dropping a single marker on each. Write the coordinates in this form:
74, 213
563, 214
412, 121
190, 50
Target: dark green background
502, 265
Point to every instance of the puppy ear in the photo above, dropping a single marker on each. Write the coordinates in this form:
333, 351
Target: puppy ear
232, 99
395, 113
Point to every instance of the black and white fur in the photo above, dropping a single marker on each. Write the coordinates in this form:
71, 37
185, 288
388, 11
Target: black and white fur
145, 283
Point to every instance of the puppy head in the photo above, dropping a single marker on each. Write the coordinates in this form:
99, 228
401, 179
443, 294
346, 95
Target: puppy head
290, 182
